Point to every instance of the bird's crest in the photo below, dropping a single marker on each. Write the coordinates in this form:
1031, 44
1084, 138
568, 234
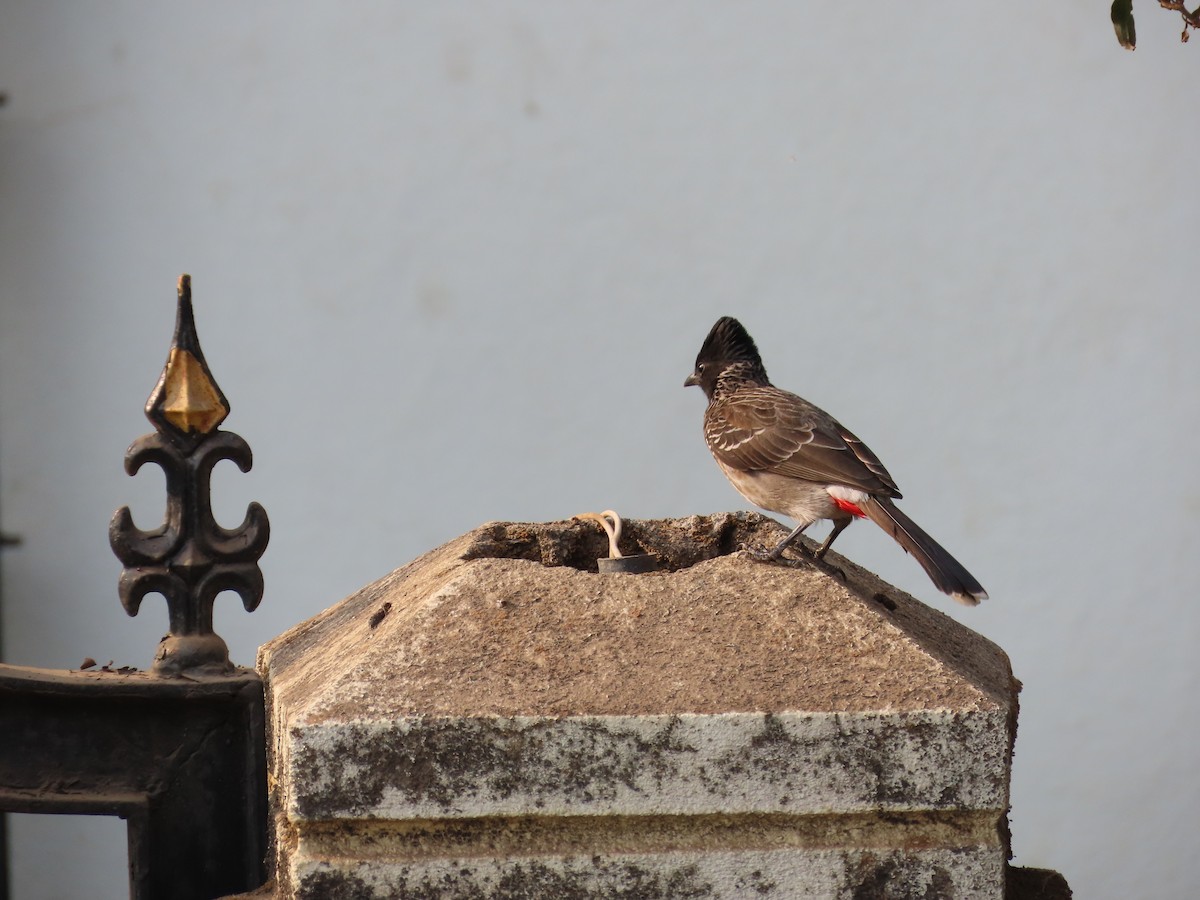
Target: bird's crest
729, 342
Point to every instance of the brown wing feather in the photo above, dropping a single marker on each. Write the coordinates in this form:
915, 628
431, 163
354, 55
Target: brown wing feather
762, 428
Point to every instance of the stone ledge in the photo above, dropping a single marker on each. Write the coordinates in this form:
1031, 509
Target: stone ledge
500, 837
733, 763
937, 874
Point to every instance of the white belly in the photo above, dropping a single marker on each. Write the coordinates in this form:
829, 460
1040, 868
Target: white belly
804, 501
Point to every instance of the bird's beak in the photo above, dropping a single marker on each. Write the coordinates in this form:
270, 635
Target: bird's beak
691, 380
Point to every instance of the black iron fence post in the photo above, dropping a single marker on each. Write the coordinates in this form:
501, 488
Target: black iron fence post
189, 559
179, 751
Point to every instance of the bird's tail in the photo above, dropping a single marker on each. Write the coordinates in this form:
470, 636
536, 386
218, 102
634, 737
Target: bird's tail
946, 572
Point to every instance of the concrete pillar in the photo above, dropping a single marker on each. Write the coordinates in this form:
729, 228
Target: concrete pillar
497, 719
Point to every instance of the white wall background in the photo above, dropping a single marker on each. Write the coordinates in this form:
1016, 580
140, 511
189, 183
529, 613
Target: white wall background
453, 261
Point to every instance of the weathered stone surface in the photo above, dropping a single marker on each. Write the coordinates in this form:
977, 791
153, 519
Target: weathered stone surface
421, 767
496, 715
857, 874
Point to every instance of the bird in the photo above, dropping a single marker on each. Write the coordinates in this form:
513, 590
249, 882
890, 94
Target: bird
789, 456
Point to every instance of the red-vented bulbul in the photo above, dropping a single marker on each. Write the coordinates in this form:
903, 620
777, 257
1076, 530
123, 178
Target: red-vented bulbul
790, 457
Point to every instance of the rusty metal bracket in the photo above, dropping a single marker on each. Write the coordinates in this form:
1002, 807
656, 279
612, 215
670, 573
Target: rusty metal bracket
181, 760
178, 752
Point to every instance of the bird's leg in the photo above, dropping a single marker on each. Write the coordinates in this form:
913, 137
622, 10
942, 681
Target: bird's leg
839, 525
777, 551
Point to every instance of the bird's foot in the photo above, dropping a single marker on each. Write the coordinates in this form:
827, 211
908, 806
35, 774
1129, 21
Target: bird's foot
804, 556
818, 560
830, 569
775, 554
761, 555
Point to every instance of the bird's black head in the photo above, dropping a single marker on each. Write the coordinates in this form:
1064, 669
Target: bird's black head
727, 349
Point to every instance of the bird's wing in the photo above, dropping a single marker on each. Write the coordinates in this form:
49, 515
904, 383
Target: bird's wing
762, 428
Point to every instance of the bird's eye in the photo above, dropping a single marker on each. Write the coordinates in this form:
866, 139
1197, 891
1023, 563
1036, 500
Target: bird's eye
699, 368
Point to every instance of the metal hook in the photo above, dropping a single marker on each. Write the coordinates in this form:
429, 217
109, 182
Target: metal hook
616, 562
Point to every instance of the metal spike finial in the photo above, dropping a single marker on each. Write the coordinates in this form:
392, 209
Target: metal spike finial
189, 559
186, 404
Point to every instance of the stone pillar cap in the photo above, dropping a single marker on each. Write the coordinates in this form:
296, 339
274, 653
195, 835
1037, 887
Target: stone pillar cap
479, 679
